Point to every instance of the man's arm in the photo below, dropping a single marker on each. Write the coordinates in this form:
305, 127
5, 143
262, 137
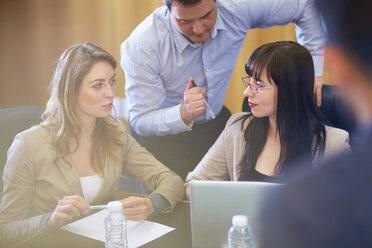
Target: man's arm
309, 29
146, 93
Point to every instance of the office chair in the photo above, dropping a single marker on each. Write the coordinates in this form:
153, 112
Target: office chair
333, 108
17, 119
13, 121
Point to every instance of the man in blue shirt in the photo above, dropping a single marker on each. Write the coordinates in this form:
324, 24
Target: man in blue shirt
198, 40
332, 205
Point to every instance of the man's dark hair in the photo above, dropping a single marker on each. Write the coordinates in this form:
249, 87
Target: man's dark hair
348, 23
183, 2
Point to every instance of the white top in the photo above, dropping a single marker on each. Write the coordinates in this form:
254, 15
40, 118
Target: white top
91, 185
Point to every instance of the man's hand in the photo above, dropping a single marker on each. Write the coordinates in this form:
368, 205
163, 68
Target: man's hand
318, 90
137, 208
193, 104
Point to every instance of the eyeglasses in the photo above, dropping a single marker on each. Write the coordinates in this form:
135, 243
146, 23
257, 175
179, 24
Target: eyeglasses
255, 86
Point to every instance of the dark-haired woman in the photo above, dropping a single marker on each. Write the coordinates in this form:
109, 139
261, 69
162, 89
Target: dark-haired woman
284, 123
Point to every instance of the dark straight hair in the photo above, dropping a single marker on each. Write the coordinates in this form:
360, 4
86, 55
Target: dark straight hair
299, 122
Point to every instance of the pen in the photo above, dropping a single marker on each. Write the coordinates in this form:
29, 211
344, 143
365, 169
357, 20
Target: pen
205, 102
97, 207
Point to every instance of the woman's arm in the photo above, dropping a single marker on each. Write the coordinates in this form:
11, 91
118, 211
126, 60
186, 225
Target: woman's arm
213, 165
157, 177
220, 161
18, 191
16, 202
22, 211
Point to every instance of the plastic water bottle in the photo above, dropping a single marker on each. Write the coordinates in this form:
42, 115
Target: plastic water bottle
240, 235
115, 226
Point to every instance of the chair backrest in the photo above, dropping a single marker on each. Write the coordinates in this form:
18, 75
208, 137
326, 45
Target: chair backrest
333, 108
17, 119
13, 121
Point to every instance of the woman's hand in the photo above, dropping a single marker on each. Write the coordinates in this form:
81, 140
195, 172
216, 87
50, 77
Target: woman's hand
137, 208
68, 208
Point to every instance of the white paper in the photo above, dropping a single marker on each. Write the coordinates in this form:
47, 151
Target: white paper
138, 233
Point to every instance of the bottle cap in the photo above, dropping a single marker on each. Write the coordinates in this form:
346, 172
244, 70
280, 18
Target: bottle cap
114, 206
240, 220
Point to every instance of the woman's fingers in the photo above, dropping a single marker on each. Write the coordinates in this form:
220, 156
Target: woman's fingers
68, 208
75, 203
136, 217
137, 208
78, 202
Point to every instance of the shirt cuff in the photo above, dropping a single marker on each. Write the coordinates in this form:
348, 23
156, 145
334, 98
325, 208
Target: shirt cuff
318, 65
43, 221
159, 202
174, 120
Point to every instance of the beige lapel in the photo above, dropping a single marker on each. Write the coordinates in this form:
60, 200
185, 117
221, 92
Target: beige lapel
71, 176
109, 177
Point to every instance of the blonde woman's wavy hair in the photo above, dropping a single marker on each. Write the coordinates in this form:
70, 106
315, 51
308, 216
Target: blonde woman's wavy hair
61, 116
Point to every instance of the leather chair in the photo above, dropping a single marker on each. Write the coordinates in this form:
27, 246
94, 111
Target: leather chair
333, 108
13, 121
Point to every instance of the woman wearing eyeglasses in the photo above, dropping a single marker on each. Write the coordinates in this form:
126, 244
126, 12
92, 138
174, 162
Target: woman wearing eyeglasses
284, 123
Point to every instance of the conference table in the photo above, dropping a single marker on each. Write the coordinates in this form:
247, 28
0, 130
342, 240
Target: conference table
180, 237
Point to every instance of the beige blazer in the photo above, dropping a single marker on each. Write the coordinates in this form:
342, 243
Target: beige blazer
33, 182
222, 160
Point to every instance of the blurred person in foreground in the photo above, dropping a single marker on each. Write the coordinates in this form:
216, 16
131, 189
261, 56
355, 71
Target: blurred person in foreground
331, 206
74, 158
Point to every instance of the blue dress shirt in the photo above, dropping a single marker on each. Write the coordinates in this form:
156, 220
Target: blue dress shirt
158, 60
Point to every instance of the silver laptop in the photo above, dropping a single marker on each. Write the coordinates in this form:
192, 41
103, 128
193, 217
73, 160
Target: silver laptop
214, 203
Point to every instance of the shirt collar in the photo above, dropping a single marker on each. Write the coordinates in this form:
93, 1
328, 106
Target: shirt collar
182, 42
220, 25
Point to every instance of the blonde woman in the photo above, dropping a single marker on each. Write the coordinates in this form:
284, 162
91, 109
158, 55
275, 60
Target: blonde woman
74, 158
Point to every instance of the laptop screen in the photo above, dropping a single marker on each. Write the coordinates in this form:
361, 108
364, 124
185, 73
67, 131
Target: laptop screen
214, 203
